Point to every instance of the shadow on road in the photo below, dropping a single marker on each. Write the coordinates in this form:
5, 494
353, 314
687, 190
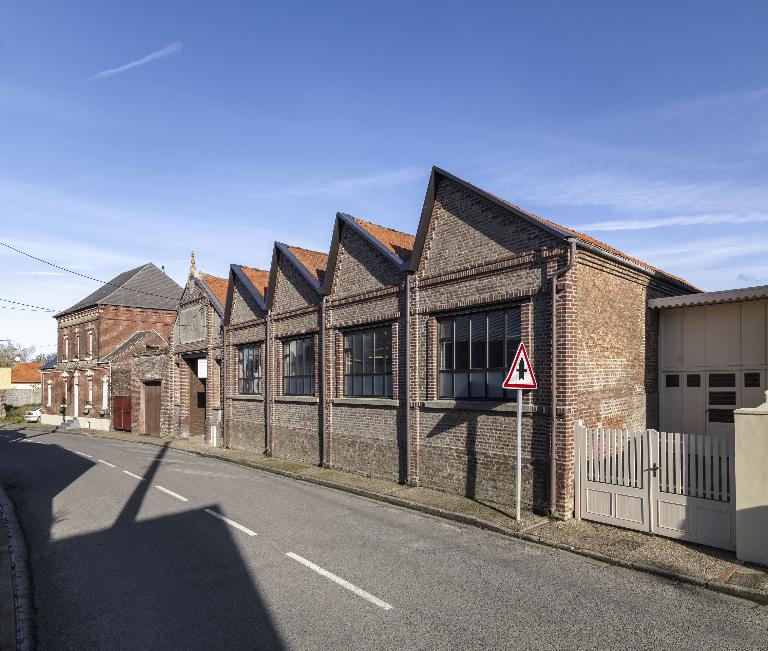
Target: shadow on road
176, 581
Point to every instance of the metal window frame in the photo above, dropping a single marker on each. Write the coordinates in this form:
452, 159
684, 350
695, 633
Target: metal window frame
360, 330
507, 396
254, 379
303, 376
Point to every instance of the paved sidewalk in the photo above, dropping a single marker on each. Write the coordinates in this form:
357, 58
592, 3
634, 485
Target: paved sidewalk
696, 564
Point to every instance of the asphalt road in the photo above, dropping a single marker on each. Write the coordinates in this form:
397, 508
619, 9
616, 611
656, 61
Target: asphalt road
129, 550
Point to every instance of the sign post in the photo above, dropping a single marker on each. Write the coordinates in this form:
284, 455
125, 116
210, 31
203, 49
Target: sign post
520, 376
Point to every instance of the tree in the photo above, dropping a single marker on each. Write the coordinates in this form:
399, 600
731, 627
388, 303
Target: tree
10, 350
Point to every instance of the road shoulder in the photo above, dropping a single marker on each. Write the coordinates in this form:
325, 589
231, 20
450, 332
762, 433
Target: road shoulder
15, 593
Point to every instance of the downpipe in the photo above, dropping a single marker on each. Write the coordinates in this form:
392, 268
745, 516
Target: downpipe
553, 401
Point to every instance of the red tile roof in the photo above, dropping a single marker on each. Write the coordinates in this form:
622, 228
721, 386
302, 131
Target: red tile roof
258, 277
218, 286
401, 244
26, 373
314, 261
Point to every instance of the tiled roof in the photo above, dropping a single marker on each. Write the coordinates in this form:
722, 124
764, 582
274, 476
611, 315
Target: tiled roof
135, 338
563, 230
401, 244
144, 286
51, 363
218, 286
313, 261
26, 373
258, 277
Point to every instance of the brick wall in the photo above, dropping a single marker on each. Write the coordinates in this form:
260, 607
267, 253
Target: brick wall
148, 367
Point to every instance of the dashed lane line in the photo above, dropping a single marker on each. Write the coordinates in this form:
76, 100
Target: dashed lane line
172, 494
83, 454
130, 474
337, 579
106, 463
232, 523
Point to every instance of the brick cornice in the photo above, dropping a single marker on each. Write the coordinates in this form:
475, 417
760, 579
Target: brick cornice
486, 299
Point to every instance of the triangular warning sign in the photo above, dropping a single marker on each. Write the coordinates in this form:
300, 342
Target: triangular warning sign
521, 374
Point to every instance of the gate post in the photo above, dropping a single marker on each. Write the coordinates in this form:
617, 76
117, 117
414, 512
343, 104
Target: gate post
579, 450
652, 440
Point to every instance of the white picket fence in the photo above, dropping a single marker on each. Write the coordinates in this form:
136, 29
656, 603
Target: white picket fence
673, 484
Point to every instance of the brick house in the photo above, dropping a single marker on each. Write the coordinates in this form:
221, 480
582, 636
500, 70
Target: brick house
143, 299
195, 401
386, 357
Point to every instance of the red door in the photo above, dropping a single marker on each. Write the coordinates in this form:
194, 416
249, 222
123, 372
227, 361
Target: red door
121, 413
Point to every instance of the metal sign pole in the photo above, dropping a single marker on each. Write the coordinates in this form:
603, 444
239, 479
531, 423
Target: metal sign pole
519, 465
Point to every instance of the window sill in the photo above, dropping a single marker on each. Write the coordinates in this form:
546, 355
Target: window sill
311, 400
254, 397
366, 402
496, 406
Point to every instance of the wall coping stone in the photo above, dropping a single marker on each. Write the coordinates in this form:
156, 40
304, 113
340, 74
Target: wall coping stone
366, 402
313, 400
254, 397
495, 406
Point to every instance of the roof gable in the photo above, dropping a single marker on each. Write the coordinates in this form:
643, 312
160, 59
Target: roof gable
311, 265
551, 227
144, 287
215, 288
393, 245
255, 282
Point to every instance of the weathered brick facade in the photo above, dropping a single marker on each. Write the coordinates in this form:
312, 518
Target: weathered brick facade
473, 254
194, 405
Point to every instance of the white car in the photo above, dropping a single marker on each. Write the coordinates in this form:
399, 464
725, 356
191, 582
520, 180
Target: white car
33, 415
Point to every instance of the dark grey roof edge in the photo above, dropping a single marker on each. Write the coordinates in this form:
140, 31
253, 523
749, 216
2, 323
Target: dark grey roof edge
314, 283
237, 269
711, 298
210, 295
135, 338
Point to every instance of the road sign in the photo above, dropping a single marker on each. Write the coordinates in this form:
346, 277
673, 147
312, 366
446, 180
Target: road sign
521, 375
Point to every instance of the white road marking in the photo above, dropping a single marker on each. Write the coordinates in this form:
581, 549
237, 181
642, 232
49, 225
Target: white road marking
83, 454
130, 474
230, 522
106, 463
172, 494
345, 584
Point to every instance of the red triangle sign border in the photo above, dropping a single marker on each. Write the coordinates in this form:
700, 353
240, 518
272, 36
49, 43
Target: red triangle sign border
531, 384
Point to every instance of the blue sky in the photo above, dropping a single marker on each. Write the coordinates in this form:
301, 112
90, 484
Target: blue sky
140, 131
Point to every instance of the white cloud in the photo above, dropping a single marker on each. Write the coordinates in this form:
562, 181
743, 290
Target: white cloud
167, 51
673, 220
348, 185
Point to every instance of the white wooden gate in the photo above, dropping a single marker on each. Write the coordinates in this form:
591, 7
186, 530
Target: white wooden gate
676, 485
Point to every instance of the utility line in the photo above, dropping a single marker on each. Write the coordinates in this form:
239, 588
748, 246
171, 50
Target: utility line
91, 278
36, 307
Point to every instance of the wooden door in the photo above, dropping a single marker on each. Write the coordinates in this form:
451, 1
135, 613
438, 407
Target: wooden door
196, 405
152, 407
121, 412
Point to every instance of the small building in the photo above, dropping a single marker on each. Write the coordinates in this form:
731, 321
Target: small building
713, 358
197, 351
26, 375
95, 336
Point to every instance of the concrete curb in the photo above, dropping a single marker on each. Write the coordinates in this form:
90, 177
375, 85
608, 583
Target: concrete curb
21, 619
724, 588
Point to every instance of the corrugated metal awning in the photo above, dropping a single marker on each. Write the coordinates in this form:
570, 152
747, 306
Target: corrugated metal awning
710, 298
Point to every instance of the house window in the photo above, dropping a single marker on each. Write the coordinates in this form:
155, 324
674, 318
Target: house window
299, 367
90, 343
475, 352
66, 347
368, 362
250, 369
77, 344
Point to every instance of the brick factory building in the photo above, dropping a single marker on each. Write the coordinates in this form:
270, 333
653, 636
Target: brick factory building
386, 357
96, 338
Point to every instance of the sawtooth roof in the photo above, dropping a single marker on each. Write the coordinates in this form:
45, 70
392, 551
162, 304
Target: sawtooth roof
399, 243
314, 262
217, 285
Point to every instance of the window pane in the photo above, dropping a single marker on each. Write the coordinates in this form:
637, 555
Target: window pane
722, 379
478, 322
388, 385
461, 385
445, 389
358, 385
347, 354
292, 358
495, 378
673, 380
446, 355
357, 355
462, 342
368, 351
446, 329
378, 385
513, 335
496, 340
308, 382
477, 384
348, 386
367, 385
